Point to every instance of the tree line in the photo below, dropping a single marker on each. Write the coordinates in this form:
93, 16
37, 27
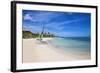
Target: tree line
29, 34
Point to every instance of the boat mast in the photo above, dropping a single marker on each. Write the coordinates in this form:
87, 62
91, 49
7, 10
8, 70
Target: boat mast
41, 35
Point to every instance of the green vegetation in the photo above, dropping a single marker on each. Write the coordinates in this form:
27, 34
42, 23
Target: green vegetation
29, 34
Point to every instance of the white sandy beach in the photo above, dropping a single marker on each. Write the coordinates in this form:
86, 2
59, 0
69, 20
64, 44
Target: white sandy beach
35, 51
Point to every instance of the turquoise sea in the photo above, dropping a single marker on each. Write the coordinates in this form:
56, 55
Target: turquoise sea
82, 44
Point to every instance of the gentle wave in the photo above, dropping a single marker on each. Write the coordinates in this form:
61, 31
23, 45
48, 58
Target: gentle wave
74, 43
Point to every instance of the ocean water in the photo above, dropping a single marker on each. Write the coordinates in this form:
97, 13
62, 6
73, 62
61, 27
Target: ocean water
72, 43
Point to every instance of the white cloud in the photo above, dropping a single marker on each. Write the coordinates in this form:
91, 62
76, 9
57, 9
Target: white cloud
27, 17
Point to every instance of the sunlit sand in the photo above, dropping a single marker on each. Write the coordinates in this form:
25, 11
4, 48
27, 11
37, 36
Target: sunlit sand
41, 51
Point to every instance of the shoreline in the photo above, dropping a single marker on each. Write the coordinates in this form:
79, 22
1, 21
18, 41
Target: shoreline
36, 51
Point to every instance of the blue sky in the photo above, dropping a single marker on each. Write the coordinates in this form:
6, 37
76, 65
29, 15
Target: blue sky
65, 24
